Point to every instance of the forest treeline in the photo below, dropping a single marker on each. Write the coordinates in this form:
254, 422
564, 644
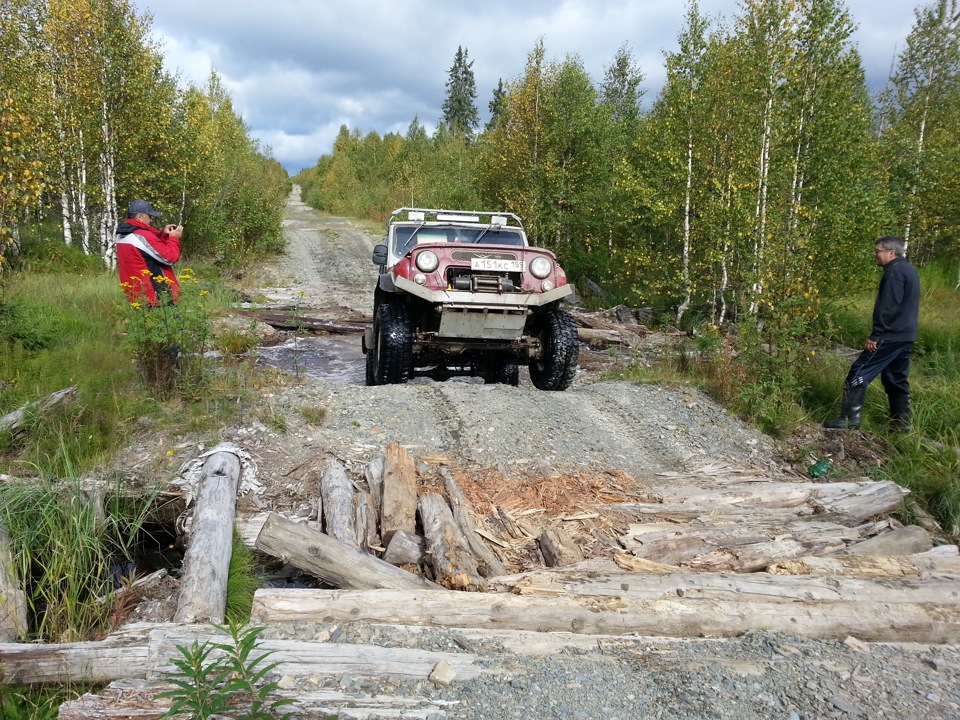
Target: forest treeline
89, 120
752, 187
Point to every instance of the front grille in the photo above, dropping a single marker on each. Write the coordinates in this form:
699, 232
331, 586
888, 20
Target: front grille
468, 255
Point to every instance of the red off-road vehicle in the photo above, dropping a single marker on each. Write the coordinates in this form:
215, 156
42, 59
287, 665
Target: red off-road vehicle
462, 293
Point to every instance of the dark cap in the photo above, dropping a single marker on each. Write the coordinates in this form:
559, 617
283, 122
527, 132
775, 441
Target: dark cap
142, 206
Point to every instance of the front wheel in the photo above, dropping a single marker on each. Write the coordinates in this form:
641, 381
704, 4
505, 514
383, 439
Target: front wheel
390, 359
560, 350
503, 372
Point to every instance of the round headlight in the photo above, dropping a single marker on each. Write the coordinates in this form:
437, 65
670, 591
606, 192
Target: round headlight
427, 261
541, 267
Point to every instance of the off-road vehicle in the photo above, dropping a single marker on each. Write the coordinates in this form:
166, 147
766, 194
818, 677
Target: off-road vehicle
463, 293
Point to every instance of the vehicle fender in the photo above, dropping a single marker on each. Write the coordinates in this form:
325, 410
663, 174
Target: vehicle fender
386, 283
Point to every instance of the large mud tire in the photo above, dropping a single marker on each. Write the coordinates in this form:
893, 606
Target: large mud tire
503, 372
392, 352
561, 350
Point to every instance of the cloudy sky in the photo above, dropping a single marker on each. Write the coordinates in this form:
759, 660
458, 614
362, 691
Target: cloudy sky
299, 69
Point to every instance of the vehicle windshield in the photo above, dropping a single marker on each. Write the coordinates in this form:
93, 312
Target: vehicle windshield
406, 236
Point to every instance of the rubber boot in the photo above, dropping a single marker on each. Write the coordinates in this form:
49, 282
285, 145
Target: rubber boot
849, 409
900, 412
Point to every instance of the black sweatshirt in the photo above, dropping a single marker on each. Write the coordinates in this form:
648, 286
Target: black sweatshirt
897, 309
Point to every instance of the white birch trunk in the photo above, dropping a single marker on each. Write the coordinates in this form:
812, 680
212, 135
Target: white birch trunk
686, 229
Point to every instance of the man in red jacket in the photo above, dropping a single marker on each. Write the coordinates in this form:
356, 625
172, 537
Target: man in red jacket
145, 256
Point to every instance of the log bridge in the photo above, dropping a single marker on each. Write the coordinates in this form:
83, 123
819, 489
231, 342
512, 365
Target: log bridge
705, 554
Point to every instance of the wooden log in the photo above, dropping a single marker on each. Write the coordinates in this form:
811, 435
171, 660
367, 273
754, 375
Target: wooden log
339, 511
13, 600
330, 560
675, 617
373, 473
305, 322
206, 563
365, 513
745, 587
15, 422
869, 566
146, 651
70, 663
399, 509
453, 563
138, 700
906, 540
487, 562
848, 504
404, 549
744, 547
558, 548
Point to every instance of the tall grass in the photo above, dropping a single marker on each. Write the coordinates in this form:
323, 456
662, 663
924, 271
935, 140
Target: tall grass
69, 539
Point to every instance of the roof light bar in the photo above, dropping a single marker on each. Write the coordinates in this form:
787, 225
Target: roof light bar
458, 218
416, 216
498, 220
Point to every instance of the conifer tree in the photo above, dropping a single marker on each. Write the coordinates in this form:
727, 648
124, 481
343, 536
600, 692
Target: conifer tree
459, 108
496, 105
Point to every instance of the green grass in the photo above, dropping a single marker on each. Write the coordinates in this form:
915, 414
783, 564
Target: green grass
68, 537
922, 460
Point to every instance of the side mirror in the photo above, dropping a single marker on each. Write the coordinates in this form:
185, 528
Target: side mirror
380, 255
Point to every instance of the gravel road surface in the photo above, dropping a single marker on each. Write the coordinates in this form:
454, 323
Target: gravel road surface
638, 429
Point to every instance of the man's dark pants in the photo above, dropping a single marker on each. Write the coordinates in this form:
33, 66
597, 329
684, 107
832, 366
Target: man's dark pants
891, 361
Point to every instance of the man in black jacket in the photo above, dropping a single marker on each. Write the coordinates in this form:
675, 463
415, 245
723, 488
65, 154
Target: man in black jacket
887, 351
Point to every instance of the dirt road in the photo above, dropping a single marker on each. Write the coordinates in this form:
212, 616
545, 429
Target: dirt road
639, 429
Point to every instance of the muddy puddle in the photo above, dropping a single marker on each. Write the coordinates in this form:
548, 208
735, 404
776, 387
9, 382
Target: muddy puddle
335, 358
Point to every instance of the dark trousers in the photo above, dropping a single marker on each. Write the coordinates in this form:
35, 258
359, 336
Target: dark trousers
891, 361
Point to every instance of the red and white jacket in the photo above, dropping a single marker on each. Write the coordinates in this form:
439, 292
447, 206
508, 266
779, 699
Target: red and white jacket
143, 255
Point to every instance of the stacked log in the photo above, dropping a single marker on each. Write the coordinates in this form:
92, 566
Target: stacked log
385, 519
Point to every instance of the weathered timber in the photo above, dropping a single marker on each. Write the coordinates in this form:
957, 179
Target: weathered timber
745, 587
330, 560
399, 506
675, 617
558, 548
757, 556
849, 503
404, 549
138, 700
906, 540
146, 651
13, 600
304, 322
734, 547
206, 563
339, 512
80, 662
373, 473
366, 514
454, 564
15, 422
487, 561
602, 338
871, 566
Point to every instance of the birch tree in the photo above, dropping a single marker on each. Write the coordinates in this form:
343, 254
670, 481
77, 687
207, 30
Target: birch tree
920, 114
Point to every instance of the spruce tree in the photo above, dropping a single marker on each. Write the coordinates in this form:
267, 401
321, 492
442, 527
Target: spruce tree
497, 104
459, 110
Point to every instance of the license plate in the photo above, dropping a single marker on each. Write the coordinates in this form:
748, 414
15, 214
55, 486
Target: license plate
495, 265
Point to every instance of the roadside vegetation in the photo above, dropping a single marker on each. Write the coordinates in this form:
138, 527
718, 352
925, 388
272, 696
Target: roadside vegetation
741, 206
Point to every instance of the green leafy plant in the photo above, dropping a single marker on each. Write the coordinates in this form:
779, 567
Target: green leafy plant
169, 339
225, 678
